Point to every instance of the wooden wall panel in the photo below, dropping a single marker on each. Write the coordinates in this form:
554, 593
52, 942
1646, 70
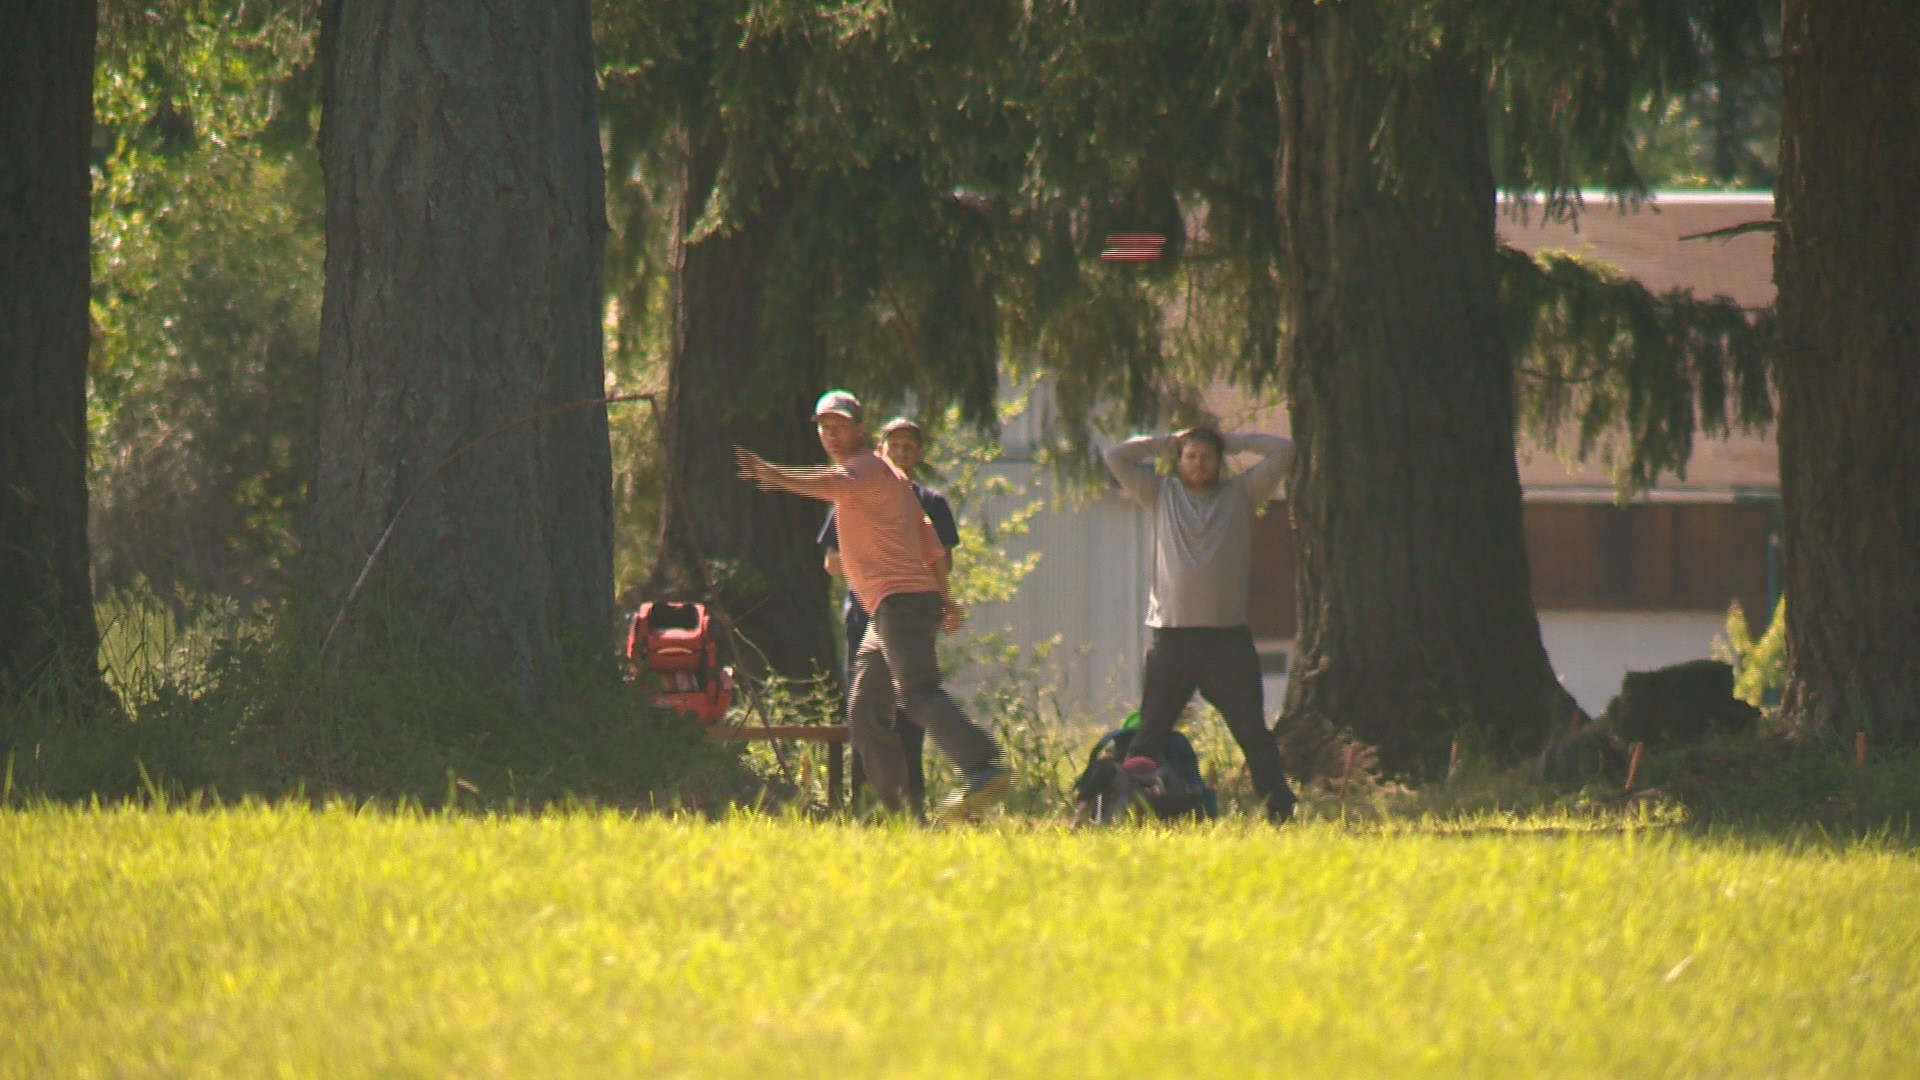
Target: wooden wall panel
1649, 556
1270, 610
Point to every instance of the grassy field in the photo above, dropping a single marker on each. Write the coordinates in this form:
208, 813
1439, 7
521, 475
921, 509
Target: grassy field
293, 942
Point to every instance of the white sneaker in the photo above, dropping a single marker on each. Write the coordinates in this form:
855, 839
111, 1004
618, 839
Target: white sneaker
988, 786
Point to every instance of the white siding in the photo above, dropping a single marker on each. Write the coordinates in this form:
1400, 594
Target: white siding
1593, 650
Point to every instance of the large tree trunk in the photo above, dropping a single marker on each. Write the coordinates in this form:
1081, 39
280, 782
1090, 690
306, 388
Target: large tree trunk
754, 552
465, 223
1416, 621
47, 626
1847, 264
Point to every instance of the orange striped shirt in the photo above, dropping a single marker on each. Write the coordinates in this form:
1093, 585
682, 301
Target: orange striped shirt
887, 545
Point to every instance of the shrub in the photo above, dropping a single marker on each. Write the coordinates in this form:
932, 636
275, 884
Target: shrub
1759, 666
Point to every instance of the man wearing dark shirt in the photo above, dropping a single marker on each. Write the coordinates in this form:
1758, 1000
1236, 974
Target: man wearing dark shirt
904, 444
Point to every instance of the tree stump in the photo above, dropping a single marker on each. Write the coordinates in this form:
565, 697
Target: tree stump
1680, 704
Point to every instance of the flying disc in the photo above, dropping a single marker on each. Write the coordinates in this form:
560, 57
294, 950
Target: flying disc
1132, 247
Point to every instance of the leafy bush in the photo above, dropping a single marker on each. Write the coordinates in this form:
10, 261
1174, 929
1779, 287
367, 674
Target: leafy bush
207, 240
1759, 666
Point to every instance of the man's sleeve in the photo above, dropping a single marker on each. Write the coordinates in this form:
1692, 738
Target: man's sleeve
1130, 464
1276, 456
829, 537
940, 514
931, 550
860, 483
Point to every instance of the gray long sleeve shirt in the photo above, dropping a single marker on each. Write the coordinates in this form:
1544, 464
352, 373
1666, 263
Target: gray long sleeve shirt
1202, 540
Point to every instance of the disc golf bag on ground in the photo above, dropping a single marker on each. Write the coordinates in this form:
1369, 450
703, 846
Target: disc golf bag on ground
1106, 793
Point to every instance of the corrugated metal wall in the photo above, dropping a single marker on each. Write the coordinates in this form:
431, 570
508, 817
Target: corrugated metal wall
1090, 588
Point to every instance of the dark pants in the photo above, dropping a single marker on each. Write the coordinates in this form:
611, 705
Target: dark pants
913, 737
896, 665
1223, 665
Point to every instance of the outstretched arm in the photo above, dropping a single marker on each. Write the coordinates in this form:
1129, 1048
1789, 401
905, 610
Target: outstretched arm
814, 481
1130, 464
1276, 456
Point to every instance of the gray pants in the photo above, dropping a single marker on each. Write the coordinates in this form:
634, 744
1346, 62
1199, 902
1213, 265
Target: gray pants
897, 663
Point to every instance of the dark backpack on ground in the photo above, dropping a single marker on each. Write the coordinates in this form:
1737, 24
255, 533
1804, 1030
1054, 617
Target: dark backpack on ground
1106, 793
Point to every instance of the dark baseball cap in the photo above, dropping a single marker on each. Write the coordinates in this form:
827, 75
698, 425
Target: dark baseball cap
838, 403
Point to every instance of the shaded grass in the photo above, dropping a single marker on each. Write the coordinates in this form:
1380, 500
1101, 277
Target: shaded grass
290, 941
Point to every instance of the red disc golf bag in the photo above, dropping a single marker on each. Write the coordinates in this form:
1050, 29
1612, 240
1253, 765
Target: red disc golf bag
674, 642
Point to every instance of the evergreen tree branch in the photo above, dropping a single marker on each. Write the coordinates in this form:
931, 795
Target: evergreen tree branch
1731, 231
1600, 352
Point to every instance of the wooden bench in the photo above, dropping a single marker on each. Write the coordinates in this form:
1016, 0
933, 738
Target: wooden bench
833, 735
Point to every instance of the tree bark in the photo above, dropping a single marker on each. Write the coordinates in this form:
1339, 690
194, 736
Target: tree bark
754, 552
1847, 264
47, 626
1416, 620
465, 224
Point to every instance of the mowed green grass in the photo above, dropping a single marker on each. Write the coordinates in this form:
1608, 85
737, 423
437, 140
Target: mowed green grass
288, 942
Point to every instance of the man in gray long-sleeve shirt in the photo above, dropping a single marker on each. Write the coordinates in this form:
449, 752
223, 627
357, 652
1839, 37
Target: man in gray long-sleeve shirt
1202, 572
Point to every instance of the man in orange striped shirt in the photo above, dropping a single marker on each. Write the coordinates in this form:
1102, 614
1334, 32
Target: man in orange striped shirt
895, 564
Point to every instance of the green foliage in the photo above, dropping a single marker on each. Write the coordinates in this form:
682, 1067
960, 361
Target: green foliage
207, 244
206, 311
1576, 95
791, 774
175, 74
1182, 145
943, 180
1759, 666
843, 129
1715, 137
1573, 88
1722, 129
148, 652
989, 508
947, 181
